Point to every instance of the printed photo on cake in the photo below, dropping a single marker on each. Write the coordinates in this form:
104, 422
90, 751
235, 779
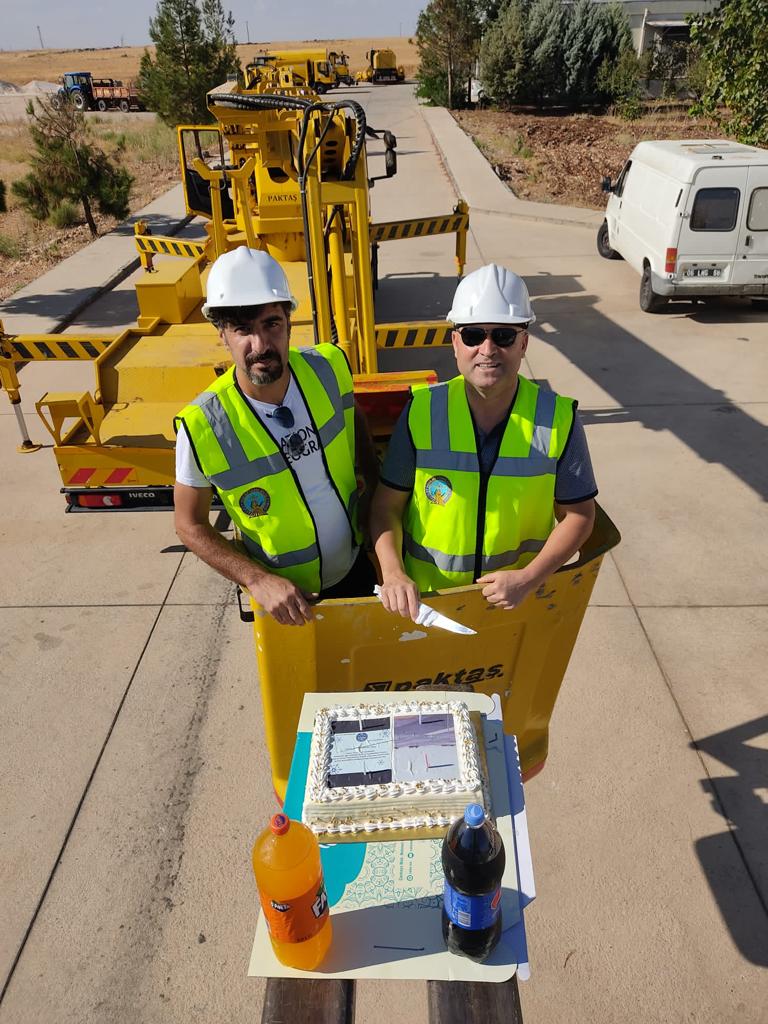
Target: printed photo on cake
424, 748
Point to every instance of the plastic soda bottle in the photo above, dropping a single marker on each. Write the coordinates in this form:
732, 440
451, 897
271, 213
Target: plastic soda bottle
286, 863
473, 863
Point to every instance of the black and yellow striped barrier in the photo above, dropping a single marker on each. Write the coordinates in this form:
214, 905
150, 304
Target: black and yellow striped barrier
390, 230
433, 333
160, 245
26, 348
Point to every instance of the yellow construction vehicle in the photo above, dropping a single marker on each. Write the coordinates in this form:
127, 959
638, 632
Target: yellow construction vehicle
280, 171
340, 64
312, 68
382, 67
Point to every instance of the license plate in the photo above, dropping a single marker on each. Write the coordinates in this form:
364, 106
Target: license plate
704, 272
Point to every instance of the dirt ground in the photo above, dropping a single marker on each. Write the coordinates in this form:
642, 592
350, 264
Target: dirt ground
22, 66
562, 158
29, 248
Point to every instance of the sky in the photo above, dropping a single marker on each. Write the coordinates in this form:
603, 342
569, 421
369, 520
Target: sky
78, 24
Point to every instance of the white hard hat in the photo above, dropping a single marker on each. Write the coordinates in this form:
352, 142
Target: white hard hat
491, 295
246, 277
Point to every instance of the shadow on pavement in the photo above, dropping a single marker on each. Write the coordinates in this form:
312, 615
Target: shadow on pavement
738, 799
649, 386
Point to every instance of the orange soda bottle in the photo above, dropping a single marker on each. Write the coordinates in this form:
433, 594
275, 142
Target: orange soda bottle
289, 876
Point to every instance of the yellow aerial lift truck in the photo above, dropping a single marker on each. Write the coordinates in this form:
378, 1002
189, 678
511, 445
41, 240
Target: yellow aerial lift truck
283, 172
280, 171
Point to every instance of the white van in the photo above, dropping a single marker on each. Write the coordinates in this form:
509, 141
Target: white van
692, 218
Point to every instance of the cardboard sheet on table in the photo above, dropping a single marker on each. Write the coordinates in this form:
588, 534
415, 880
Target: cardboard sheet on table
386, 896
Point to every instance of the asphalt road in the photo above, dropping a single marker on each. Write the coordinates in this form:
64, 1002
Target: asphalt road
132, 760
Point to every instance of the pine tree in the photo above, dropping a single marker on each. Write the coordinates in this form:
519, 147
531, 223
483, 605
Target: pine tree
68, 166
546, 28
195, 51
447, 37
504, 56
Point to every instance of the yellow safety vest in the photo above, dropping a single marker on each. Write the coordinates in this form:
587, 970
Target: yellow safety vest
258, 487
458, 525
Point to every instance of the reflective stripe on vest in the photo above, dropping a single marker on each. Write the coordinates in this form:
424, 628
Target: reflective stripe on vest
514, 507
257, 485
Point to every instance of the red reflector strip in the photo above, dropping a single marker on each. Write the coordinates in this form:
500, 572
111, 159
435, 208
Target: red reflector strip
82, 476
99, 500
117, 476
670, 262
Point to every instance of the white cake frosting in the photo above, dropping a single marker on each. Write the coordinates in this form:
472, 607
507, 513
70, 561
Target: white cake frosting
394, 805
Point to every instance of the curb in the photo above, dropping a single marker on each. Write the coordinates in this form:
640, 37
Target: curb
521, 208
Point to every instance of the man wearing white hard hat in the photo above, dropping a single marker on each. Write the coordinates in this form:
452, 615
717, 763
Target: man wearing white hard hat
278, 437
487, 478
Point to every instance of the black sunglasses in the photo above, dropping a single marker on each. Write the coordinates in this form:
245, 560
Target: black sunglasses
283, 416
503, 337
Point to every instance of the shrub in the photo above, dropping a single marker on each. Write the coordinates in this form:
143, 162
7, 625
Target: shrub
65, 215
9, 247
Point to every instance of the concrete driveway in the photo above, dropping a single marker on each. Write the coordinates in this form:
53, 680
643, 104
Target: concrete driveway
132, 761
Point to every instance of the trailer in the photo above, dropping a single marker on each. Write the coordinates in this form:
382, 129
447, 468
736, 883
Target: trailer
85, 92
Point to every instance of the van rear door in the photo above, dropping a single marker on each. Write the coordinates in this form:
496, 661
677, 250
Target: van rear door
751, 265
711, 225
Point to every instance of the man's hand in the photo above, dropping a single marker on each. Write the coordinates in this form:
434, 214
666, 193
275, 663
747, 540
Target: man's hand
507, 588
400, 594
282, 599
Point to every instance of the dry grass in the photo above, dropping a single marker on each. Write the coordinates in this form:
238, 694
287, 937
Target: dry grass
28, 248
22, 66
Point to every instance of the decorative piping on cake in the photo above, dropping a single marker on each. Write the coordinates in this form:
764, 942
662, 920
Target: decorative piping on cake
318, 791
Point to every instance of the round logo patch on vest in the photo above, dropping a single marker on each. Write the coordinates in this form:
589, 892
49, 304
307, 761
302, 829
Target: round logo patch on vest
438, 490
255, 502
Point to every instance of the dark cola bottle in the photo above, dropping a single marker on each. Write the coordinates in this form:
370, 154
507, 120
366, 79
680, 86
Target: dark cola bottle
473, 864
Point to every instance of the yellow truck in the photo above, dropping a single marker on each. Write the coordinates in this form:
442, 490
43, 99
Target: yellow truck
276, 171
382, 67
340, 64
313, 68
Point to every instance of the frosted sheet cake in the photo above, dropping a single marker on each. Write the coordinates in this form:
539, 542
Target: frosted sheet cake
380, 768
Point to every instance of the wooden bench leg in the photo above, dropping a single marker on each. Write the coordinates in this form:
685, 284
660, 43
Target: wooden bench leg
474, 1002
308, 1001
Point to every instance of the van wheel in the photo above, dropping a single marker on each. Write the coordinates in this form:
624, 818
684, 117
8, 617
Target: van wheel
604, 245
650, 302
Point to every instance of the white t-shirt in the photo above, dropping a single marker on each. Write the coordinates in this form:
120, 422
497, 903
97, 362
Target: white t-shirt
301, 448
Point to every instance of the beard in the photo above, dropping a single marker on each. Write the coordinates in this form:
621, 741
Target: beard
266, 370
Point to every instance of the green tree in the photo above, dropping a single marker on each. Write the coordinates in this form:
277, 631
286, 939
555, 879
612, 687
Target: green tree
547, 20
733, 41
447, 38
504, 56
618, 82
68, 166
195, 51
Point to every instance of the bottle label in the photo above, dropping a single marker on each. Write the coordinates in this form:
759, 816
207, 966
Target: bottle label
472, 912
298, 919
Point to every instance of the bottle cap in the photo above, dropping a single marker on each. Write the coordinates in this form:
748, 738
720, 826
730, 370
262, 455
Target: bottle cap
280, 823
474, 815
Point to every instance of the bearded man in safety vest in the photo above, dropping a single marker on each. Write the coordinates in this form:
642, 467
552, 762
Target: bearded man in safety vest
487, 478
278, 436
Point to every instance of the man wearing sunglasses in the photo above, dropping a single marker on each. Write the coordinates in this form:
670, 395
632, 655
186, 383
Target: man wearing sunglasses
487, 478
279, 437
